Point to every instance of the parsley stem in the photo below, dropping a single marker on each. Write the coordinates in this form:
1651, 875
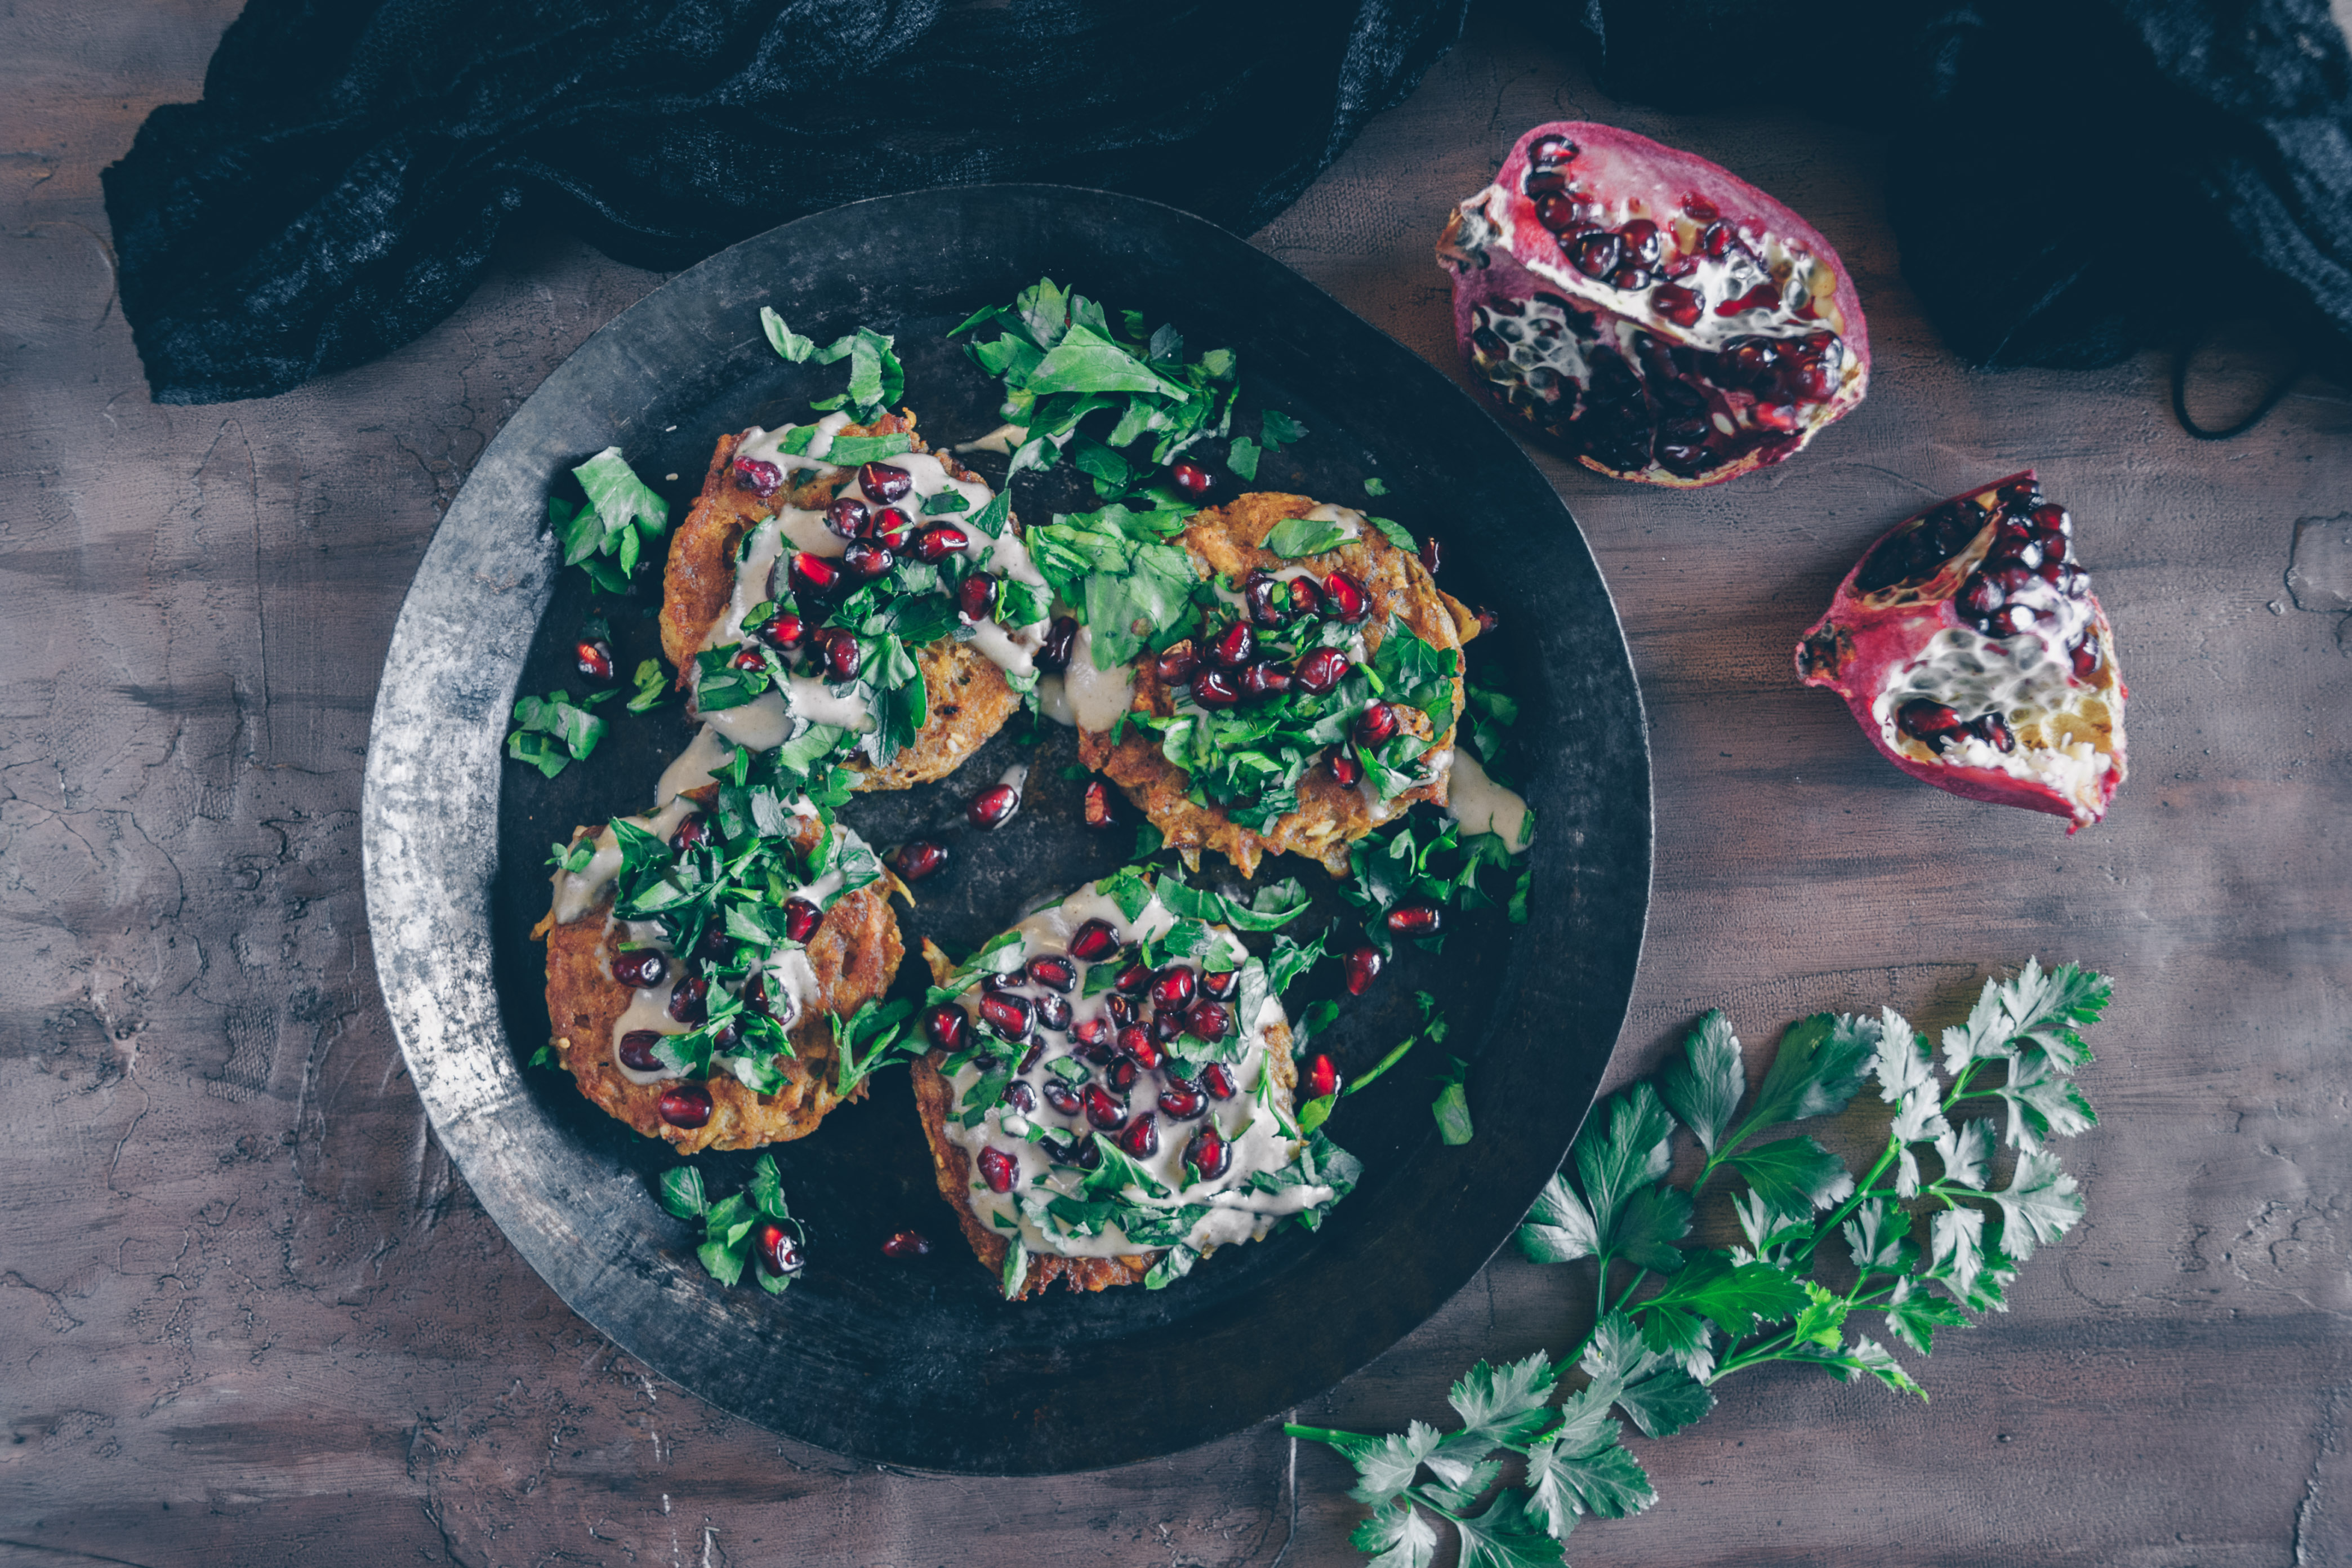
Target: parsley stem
1385, 1063
1323, 1435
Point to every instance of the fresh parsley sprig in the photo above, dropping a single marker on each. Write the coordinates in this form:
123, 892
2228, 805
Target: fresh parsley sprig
608, 534
1676, 1320
551, 733
730, 1225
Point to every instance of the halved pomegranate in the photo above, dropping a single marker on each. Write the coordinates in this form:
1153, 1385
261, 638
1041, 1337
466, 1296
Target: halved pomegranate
1663, 318
1969, 644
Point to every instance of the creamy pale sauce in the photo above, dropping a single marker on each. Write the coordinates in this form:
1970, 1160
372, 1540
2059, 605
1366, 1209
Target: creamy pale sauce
1257, 1135
1482, 806
692, 768
1097, 696
577, 892
1349, 520
1001, 440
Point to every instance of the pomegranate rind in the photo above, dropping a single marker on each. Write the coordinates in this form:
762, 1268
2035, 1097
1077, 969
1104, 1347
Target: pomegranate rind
1500, 255
1877, 650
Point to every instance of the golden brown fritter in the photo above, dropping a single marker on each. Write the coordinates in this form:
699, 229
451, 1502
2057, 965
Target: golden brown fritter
968, 698
855, 952
1229, 542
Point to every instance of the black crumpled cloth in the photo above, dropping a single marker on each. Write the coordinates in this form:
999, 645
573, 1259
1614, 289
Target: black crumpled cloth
344, 180
2071, 181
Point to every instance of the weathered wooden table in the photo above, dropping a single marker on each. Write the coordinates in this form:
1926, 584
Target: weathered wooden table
248, 1316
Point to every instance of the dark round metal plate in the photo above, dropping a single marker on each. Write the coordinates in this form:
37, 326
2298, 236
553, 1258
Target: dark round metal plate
918, 1363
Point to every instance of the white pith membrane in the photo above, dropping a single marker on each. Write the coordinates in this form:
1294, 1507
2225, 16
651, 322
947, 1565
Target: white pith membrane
791, 982
1542, 355
807, 696
1234, 1205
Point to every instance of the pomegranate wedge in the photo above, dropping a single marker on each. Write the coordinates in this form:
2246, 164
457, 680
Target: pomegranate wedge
1971, 651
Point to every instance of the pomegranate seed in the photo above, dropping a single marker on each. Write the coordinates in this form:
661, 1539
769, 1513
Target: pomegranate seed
801, 919
1176, 666
1265, 680
1217, 1082
777, 1250
1209, 1155
1101, 811
1094, 941
765, 479
784, 632
686, 1105
1166, 1027
993, 806
1699, 209
1322, 1078
689, 1000
977, 597
1990, 727
1095, 1032
641, 970
1141, 1139
1132, 979
1640, 238
2054, 518
1054, 654
1171, 988
1717, 239
1347, 769
1415, 920
941, 541
998, 1168
1929, 721
1009, 1016
748, 657
995, 982
595, 659
690, 834
1551, 152
1487, 621
907, 1244
1207, 1020
842, 655
2012, 620
1363, 968
1267, 599
1020, 1097
1135, 1043
893, 528
1981, 595
1192, 478
1221, 983
1029, 1057
638, 1051
1215, 688
1347, 597
848, 518
1061, 1097
1181, 1100
867, 559
1597, 255
1103, 1110
918, 859
2085, 656
755, 994
1558, 210
883, 483
813, 573
1321, 670
1432, 554
1235, 647
1376, 724
1054, 972
1123, 1010
1305, 597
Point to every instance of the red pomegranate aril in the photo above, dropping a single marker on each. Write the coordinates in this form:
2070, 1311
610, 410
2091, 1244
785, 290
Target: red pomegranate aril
992, 982
1640, 241
1555, 209
1175, 666
641, 969
1376, 724
1221, 983
1347, 770
841, 653
685, 1105
893, 529
594, 657
2012, 620
785, 631
1008, 1014
948, 1026
1054, 972
1265, 680
690, 834
993, 806
778, 1250
1192, 478
1596, 255
638, 1051
1181, 1100
1233, 647
764, 479
1122, 1075
905, 1244
755, 994
1981, 595
1207, 1020
1346, 598
1097, 1030
813, 574
1171, 988
1209, 1155
997, 1169
1166, 1027
1133, 979
1136, 1042
1305, 597
1487, 621
918, 859
1415, 920
1020, 1097
1101, 809
1054, 653
2054, 518
1141, 1139
1217, 1082
748, 657
883, 483
1061, 1097
1267, 599
1677, 304
1363, 968
939, 541
1930, 722
690, 1001
2086, 657
1216, 689
1432, 555
1632, 280
848, 518
976, 597
1551, 152
1322, 1078
801, 919
868, 558
1103, 1108
1094, 940
1054, 1012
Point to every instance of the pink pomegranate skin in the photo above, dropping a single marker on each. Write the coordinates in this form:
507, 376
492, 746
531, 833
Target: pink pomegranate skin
1883, 647
1653, 388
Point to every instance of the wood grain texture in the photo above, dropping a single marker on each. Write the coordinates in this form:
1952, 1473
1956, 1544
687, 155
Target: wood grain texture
247, 1316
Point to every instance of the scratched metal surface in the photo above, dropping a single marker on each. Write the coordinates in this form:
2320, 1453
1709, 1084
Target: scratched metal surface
246, 1315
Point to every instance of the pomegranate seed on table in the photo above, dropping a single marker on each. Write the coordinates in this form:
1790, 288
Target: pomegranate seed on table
1376, 724
594, 659
998, 1168
801, 919
1192, 478
918, 859
1217, 1082
1415, 920
1322, 1078
776, 1249
1175, 666
1233, 647
1094, 940
976, 597
838, 645
1124, 1071
1119, 1009
1215, 688
685, 1105
1346, 598
1321, 670
939, 541
993, 806
1141, 1139
641, 970
638, 1051
848, 518
1487, 621
1363, 968
1166, 1025
883, 483
1101, 810
1009, 1016
1054, 654
1209, 1155
1093, 1037
1053, 970
893, 529
907, 1244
